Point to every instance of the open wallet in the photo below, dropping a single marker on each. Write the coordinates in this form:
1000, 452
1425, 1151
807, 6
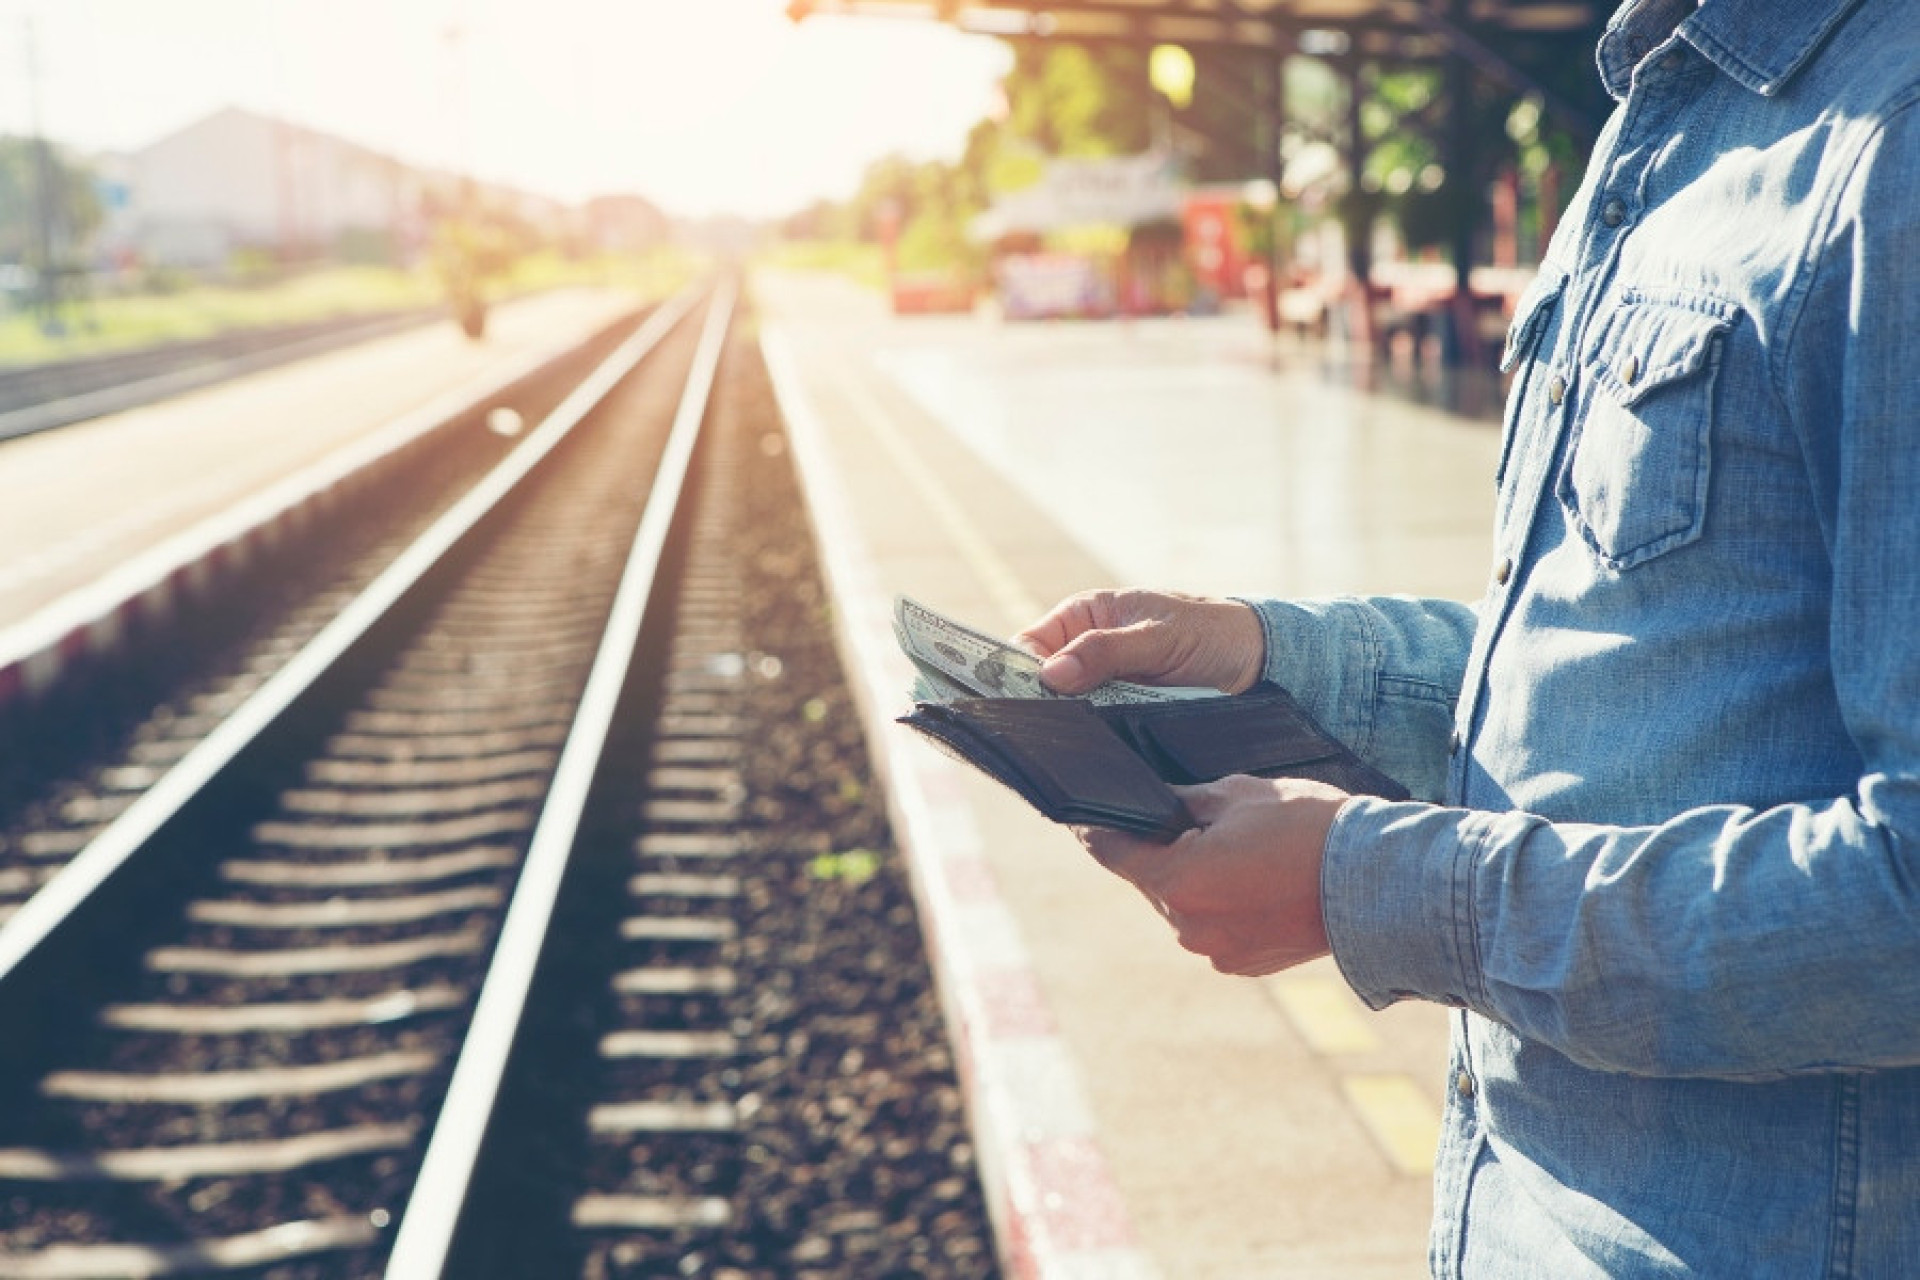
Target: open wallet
1111, 765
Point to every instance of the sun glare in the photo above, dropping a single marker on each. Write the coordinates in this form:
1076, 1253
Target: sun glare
702, 105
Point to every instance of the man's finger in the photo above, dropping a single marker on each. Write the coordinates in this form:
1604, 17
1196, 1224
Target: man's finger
1129, 857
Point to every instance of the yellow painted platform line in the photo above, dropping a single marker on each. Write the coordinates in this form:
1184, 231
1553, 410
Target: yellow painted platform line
1325, 1014
1400, 1117
1012, 599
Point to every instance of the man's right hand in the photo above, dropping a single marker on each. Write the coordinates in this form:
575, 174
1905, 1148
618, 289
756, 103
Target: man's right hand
1153, 637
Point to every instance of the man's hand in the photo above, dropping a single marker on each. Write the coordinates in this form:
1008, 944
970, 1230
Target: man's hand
1242, 888
1150, 636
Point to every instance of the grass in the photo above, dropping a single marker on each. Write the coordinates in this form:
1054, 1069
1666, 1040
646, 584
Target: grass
120, 323
143, 319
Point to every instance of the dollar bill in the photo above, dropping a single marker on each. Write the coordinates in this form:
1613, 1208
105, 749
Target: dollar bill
954, 660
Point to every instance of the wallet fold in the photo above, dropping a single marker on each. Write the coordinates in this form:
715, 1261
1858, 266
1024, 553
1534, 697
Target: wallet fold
1113, 765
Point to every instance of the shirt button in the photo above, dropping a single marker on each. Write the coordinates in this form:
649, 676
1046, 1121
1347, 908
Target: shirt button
1630, 371
1453, 743
1503, 570
1613, 212
1463, 1085
1557, 389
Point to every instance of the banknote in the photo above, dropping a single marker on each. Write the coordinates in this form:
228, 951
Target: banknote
953, 656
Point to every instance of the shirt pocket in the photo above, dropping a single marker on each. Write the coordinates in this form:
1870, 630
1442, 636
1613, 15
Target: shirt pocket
1635, 480
1530, 317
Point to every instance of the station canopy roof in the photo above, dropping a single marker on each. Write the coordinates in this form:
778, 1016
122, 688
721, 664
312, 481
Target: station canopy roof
1408, 28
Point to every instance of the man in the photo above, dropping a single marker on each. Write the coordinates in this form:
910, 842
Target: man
1665, 858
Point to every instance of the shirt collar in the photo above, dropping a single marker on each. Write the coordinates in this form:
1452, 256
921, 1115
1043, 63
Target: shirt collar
1760, 43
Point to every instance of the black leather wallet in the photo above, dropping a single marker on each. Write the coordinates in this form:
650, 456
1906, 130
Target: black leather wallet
1111, 766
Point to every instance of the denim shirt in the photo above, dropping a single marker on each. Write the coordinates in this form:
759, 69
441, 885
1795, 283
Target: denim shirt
1666, 861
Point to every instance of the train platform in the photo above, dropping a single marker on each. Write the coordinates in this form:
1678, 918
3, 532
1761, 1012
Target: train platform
102, 516
1139, 1115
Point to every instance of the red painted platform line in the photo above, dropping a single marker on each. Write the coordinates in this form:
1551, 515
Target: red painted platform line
1057, 1211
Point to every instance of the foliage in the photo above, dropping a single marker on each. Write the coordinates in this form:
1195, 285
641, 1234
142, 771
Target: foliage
1062, 100
1071, 100
859, 261
76, 206
191, 310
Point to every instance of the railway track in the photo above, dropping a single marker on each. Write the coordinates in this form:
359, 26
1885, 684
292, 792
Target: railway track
39, 397
509, 927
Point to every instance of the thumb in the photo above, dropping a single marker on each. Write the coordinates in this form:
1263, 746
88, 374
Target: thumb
1094, 657
1206, 802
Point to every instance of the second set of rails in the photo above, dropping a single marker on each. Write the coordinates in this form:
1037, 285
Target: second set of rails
277, 1009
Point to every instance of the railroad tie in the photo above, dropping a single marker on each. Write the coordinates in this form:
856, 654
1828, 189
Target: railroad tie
282, 1015
650, 1213
203, 1087
279, 1243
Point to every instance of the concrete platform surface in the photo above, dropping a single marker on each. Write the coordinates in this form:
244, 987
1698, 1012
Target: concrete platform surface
79, 502
1151, 1117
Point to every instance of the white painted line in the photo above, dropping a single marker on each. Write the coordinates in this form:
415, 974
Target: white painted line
1057, 1212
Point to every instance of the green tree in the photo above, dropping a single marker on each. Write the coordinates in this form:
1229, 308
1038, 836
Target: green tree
1071, 100
75, 205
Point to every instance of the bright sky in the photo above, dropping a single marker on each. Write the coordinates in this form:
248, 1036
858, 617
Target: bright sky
703, 106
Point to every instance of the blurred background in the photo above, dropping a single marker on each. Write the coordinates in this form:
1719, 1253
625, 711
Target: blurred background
1387, 172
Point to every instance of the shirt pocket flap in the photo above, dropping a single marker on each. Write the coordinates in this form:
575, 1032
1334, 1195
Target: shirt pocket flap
1649, 343
1530, 315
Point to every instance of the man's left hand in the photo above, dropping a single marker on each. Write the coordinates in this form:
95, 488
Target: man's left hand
1243, 887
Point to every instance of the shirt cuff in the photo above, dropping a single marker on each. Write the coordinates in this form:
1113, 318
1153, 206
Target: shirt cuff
1321, 651
1396, 891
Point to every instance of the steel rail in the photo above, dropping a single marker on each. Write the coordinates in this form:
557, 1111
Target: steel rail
431, 1218
93, 388
52, 909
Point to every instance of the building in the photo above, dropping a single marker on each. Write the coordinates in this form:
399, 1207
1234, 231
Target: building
237, 183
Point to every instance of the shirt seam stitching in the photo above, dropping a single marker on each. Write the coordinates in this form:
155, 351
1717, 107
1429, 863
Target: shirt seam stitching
1370, 682
1466, 917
